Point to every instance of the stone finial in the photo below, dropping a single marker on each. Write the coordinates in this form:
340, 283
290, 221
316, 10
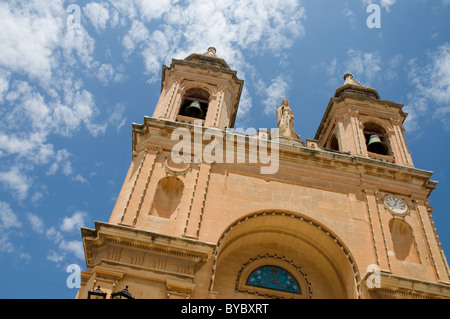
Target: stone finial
348, 77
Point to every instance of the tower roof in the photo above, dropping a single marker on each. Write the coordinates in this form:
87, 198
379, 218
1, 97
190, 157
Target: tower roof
207, 73
208, 58
352, 87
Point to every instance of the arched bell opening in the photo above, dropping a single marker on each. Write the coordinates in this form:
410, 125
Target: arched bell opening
315, 258
333, 143
377, 141
195, 104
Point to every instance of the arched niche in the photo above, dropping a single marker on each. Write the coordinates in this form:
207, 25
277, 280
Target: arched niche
313, 252
167, 197
403, 241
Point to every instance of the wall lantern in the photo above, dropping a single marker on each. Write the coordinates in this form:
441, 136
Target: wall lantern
123, 294
96, 294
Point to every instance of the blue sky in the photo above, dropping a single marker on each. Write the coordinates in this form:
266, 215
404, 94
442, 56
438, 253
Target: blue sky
73, 80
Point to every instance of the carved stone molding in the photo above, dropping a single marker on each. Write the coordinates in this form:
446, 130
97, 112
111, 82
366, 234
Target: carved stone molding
179, 289
115, 237
388, 285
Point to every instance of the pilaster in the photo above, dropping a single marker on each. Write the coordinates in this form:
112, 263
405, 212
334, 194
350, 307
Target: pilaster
435, 252
378, 238
198, 201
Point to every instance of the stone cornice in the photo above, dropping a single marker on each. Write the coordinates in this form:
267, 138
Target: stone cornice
310, 154
106, 234
392, 284
358, 91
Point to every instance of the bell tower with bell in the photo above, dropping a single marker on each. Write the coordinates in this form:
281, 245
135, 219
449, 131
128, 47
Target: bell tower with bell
200, 87
358, 122
344, 215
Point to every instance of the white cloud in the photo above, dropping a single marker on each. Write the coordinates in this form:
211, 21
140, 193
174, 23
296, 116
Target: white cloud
61, 163
74, 222
434, 80
55, 256
41, 90
117, 118
5, 243
37, 224
245, 104
8, 218
32, 34
15, 180
393, 65
432, 89
54, 235
347, 12
134, 37
37, 197
231, 27
124, 8
79, 178
8, 221
157, 49
73, 247
77, 46
275, 94
331, 67
387, 4
4, 83
66, 248
25, 146
98, 14
29, 106
365, 65
105, 73
37, 35
153, 9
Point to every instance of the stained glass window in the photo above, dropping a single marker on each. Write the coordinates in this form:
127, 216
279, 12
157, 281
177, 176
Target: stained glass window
273, 277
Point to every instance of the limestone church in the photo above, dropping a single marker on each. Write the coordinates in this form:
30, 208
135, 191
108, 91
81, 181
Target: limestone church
346, 215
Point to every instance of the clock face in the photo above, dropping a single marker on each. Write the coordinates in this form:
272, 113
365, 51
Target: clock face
396, 205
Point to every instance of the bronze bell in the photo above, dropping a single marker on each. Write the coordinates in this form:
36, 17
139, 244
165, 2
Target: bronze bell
375, 145
194, 110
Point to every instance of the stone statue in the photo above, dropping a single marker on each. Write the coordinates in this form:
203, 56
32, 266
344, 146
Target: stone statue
285, 121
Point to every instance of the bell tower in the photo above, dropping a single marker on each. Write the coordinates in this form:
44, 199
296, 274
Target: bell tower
358, 122
343, 216
200, 87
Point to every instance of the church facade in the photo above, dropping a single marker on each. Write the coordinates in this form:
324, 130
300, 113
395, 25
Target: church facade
344, 215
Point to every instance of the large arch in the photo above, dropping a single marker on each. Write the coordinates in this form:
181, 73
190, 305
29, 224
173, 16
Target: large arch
311, 250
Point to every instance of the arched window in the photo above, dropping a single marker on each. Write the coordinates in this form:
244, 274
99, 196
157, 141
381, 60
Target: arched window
195, 103
273, 277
